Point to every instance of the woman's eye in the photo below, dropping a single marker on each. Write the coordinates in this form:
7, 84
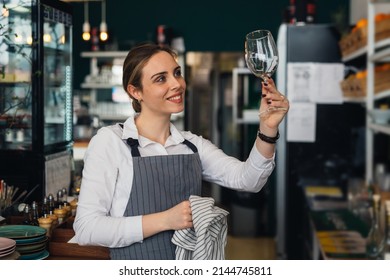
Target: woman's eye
160, 79
178, 73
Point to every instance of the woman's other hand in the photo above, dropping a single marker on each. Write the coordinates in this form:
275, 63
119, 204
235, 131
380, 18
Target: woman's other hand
175, 218
179, 216
273, 106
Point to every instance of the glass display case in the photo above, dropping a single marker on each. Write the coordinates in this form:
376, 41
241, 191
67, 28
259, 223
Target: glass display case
36, 112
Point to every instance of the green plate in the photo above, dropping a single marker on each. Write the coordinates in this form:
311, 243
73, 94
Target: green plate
29, 247
21, 232
35, 256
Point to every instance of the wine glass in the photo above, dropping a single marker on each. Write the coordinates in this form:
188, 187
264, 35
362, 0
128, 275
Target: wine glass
261, 56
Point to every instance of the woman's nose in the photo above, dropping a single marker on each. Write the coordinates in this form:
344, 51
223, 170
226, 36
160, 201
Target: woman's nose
174, 82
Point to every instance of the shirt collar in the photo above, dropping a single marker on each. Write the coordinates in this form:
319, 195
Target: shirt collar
130, 131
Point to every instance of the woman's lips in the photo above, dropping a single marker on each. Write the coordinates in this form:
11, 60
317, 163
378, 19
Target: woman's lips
176, 98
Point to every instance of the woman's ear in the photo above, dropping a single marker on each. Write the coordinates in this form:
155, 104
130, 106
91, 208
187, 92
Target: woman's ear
134, 92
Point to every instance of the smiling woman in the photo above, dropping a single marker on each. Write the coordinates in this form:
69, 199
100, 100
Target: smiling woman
139, 176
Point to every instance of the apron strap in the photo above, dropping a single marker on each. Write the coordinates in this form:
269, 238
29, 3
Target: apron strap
191, 146
133, 143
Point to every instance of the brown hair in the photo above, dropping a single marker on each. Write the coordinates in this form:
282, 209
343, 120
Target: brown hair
135, 60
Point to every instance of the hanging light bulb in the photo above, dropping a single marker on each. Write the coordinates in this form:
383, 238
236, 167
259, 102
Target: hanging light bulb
86, 31
103, 24
86, 27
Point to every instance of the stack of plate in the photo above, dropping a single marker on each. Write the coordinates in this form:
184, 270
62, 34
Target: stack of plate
7, 247
30, 241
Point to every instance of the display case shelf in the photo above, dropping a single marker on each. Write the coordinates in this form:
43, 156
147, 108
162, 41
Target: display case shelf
36, 102
99, 86
104, 54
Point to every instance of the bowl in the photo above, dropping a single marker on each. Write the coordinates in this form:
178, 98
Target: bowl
380, 116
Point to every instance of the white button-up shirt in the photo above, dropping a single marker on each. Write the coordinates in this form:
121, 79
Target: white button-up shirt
108, 177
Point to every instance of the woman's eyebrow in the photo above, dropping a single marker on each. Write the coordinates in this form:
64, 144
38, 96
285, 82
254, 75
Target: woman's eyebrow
158, 74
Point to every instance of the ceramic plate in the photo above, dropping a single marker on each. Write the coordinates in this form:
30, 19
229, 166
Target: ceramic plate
14, 256
32, 252
36, 256
31, 245
6, 253
6, 243
30, 240
19, 232
29, 249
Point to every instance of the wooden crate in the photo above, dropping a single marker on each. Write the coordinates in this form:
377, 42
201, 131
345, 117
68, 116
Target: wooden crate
353, 41
357, 87
358, 39
382, 29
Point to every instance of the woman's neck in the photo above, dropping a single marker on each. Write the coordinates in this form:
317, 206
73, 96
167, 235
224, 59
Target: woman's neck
154, 128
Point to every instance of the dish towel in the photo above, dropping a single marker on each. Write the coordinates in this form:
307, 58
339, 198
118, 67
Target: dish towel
207, 239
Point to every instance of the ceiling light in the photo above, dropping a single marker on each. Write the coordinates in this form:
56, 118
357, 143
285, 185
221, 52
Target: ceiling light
86, 27
103, 24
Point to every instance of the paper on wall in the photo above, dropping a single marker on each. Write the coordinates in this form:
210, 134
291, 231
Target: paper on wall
315, 82
301, 122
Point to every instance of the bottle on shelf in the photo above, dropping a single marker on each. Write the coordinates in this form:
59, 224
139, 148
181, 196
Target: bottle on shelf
292, 12
35, 214
310, 11
60, 197
94, 40
375, 242
51, 202
27, 216
64, 195
163, 35
45, 207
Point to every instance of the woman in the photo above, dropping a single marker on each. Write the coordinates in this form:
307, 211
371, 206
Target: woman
138, 175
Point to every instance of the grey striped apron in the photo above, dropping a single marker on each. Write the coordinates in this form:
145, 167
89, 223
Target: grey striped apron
159, 183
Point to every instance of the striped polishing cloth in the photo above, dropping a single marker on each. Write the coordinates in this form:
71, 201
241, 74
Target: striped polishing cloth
207, 239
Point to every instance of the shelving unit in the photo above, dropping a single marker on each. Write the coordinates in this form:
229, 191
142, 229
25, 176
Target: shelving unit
249, 116
97, 83
95, 58
377, 52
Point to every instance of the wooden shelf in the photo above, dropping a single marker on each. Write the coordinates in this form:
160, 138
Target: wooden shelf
105, 54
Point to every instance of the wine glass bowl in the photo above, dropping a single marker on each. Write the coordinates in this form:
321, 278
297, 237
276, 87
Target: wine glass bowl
261, 54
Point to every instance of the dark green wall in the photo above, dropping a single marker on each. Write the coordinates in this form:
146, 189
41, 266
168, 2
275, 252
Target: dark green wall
204, 25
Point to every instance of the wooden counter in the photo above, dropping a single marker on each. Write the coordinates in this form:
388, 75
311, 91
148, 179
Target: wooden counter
60, 249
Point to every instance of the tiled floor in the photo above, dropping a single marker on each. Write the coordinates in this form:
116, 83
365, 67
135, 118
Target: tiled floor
244, 248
